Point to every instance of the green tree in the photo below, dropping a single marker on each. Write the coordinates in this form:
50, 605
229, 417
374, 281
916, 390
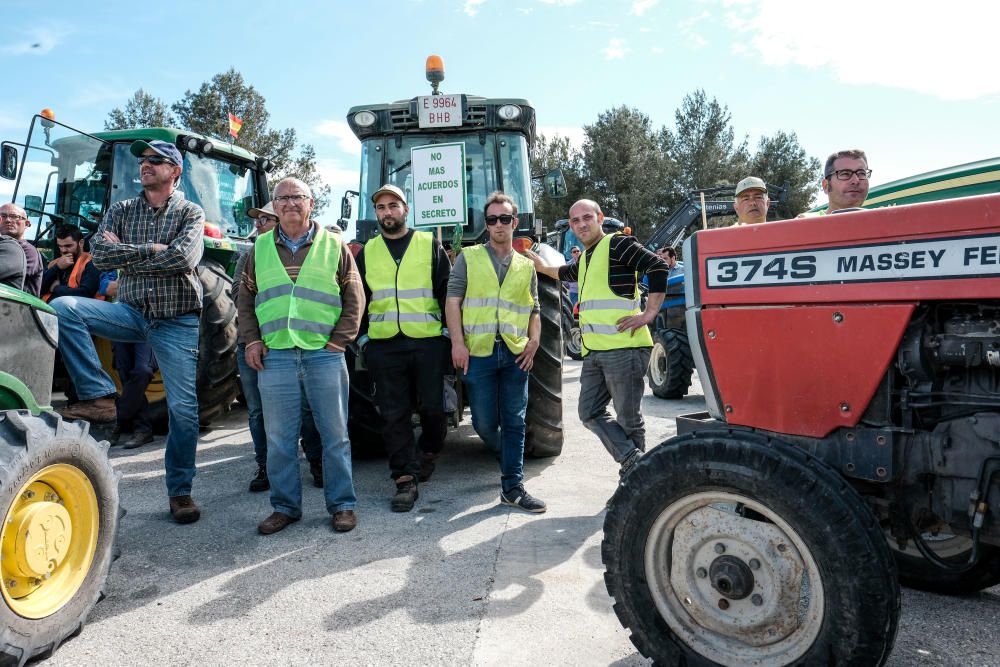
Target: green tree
142, 110
556, 153
781, 159
703, 145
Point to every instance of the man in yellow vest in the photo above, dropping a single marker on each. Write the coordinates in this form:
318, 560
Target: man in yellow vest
493, 302
405, 275
300, 304
616, 338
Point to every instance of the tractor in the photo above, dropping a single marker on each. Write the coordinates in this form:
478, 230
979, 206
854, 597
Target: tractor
58, 494
851, 368
65, 176
451, 151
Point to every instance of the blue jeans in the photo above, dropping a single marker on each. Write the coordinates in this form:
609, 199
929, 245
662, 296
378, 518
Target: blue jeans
311, 444
175, 343
498, 399
290, 379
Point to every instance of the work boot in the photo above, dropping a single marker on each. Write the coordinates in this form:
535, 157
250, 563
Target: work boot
521, 499
95, 410
183, 509
344, 521
427, 460
316, 469
116, 435
138, 439
260, 482
629, 462
406, 495
277, 521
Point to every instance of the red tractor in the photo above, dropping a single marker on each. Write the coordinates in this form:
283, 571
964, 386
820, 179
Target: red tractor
851, 368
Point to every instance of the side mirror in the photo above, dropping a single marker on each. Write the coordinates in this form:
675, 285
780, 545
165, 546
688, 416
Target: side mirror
555, 184
345, 207
8, 162
33, 203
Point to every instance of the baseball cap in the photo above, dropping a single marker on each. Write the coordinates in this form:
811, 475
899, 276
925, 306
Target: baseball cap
266, 209
750, 183
163, 148
389, 189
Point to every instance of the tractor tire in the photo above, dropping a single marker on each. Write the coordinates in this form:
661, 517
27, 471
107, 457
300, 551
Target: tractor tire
543, 422
218, 382
670, 364
917, 572
364, 423
732, 548
572, 337
59, 496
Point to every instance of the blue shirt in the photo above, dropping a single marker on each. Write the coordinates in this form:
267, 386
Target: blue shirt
295, 244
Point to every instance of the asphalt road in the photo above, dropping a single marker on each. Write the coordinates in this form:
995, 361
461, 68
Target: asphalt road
458, 581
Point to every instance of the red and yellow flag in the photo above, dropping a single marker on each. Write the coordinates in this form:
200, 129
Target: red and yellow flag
235, 125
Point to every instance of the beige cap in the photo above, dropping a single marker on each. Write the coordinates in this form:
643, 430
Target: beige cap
389, 189
266, 209
750, 183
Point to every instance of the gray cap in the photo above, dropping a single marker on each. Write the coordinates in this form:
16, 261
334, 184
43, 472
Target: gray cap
391, 190
266, 209
750, 183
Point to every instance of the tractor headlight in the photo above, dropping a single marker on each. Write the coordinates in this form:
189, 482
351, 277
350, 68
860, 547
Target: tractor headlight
49, 324
364, 119
509, 112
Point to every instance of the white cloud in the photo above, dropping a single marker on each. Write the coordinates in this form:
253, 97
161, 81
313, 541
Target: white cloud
640, 7
525, 10
560, 3
574, 134
38, 42
471, 7
941, 52
340, 131
616, 49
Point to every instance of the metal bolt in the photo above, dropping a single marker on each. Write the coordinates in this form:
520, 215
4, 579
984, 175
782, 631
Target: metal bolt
720, 548
701, 572
29, 494
11, 584
782, 547
838, 317
850, 467
850, 436
880, 471
757, 599
880, 440
845, 407
729, 409
723, 604
687, 600
36, 582
754, 564
711, 333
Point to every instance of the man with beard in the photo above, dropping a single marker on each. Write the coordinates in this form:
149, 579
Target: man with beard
71, 273
751, 201
13, 222
405, 275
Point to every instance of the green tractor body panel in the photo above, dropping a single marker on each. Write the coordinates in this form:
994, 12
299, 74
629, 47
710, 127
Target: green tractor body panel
29, 335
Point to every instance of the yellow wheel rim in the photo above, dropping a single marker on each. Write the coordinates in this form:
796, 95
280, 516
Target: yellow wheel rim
49, 537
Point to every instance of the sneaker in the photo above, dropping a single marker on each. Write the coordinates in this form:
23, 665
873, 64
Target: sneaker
96, 410
406, 495
518, 497
345, 521
138, 439
260, 482
426, 466
277, 521
183, 509
316, 469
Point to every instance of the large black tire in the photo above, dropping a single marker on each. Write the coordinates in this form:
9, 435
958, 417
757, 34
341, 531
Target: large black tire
670, 364
805, 576
55, 479
364, 423
572, 338
917, 572
218, 382
543, 422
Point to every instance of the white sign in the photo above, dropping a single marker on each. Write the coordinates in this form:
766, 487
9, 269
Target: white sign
438, 172
439, 111
961, 257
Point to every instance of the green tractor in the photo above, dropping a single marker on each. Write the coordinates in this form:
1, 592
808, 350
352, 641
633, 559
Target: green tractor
64, 176
448, 153
58, 494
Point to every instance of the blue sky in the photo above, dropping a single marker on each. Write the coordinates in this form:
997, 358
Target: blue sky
913, 83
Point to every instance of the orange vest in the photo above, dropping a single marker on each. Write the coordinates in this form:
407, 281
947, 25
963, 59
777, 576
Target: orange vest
74, 277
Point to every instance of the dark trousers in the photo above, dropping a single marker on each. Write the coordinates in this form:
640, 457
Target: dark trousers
136, 365
408, 374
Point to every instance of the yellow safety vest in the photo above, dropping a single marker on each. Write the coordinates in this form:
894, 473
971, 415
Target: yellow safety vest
600, 308
490, 308
300, 314
402, 295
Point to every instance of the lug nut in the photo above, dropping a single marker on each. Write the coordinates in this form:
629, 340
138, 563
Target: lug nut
720, 548
757, 600
782, 547
701, 572
754, 564
723, 604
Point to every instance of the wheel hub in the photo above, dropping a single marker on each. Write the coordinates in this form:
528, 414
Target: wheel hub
731, 577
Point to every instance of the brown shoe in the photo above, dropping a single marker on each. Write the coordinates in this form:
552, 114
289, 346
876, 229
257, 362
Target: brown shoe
183, 509
345, 521
277, 521
96, 410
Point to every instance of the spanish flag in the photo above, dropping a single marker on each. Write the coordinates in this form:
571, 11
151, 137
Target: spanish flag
235, 125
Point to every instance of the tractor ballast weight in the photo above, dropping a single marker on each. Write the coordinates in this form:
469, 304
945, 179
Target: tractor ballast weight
851, 368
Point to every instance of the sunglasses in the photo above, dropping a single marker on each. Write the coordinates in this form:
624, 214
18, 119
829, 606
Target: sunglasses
154, 160
504, 219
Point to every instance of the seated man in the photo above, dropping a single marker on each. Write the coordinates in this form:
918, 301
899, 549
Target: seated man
13, 265
13, 222
71, 273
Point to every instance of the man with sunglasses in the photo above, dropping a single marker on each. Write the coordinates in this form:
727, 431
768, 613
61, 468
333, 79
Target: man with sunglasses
405, 276
155, 240
13, 222
493, 314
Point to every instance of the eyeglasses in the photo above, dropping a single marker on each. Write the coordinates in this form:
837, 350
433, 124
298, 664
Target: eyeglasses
155, 160
265, 220
287, 199
12, 216
494, 219
845, 174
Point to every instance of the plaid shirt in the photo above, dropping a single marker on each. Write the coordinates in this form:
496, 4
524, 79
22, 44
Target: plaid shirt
162, 284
